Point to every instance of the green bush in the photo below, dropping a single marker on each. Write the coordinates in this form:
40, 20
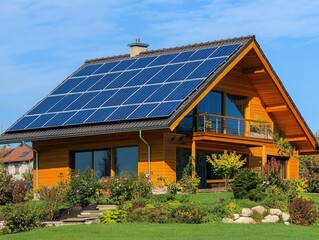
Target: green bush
303, 212
114, 216
247, 184
149, 214
224, 209
83, 188
189, 184
188, 214
21, 217
55, 198
313, 183
294, 188
275, 197
128, 186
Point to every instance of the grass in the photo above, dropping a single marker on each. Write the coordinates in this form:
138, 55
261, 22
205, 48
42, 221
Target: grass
142, 231
147, 231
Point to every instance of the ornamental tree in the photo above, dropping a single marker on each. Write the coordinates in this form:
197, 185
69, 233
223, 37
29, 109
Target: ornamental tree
226, 164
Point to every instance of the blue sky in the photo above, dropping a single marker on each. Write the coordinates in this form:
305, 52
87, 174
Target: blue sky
42, 42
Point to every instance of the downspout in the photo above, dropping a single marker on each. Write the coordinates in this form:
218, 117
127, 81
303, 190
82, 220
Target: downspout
36, 196
148, 154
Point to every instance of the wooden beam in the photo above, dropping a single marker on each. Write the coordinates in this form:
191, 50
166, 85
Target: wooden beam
193, 158
254, 70
296, 139
278, 108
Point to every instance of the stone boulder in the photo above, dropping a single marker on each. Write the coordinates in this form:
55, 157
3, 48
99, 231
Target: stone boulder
246, 212
228, 220
236, 216
271, 219
275, 211
285, 217
244, 220
260, 209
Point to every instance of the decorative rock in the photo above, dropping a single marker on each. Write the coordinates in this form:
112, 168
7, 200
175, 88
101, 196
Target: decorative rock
287, 223
285, 217
275, 211
246, 212
228, 220
259, 209
244, 220
271, 219
236, 216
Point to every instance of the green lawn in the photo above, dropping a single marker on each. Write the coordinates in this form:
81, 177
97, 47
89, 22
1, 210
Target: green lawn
171, 231
142, 231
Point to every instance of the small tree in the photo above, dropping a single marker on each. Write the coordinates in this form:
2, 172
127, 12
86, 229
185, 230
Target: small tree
226, 164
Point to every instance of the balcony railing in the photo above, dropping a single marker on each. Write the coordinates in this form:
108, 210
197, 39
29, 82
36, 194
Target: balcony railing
232, 125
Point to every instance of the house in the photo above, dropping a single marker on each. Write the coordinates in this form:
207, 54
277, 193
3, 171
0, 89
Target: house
18, 161
149, 111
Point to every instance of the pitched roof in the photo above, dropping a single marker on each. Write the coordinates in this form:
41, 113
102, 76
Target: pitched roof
15, 134
19, 154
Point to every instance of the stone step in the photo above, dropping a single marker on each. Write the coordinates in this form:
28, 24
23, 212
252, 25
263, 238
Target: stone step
51, 223
89, 212
75, 220
89, 216
106, 207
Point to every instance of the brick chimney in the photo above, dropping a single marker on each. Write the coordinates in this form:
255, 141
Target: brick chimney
137, 47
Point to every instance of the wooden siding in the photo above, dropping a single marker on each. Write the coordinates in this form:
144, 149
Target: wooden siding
55, 155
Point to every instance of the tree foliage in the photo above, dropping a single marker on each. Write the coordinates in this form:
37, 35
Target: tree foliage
226, 164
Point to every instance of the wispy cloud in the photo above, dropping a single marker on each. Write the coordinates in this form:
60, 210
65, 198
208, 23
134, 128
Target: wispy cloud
41, 42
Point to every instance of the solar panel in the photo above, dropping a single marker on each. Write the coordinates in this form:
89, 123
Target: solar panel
164, 109
79, 117
225, 50
163, 59
68, 85
87, 70
137, 88
142, 111
104, 81
106, 67
85, 85
141, 63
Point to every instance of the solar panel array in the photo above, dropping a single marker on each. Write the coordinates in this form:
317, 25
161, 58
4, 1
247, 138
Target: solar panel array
136, 88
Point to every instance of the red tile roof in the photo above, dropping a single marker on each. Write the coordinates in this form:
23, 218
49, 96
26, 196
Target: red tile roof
19, 154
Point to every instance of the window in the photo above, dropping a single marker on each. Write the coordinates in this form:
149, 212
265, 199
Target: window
98, 160
126, 160
235, 107
182, 158
16, 169
24, 154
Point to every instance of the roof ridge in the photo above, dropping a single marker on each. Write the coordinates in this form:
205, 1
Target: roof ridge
161, 50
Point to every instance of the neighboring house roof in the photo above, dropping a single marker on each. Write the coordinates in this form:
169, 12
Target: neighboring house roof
63, 112
19, 154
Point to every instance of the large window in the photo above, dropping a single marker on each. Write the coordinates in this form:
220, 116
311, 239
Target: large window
235, 107
99, 161
126, 160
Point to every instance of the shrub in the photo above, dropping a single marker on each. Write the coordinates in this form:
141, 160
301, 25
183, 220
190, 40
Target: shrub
128, 186
294, 188
189, 184
247, 184
271, 173
5, 186
303, 212
54, 199
147, 214
19, 190
313, 183
275, 197
188, 214
21, 217
83, 187
114, 216
224, 209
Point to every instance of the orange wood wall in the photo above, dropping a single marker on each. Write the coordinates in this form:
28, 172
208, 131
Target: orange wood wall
55, 155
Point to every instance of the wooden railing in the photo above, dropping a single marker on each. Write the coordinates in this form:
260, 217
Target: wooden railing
231, 125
